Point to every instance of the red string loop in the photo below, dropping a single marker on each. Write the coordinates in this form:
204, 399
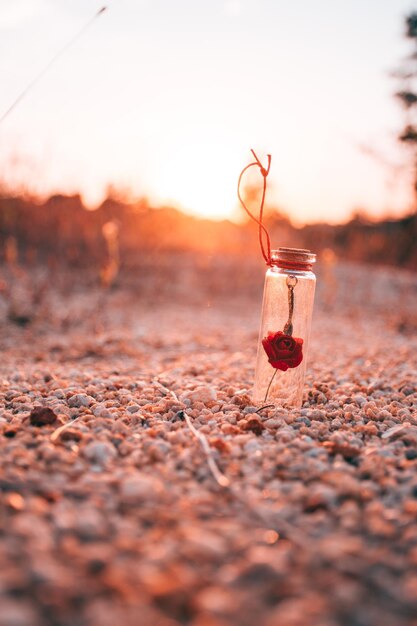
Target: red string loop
262, 231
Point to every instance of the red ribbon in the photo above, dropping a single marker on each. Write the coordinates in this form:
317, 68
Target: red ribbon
263, 233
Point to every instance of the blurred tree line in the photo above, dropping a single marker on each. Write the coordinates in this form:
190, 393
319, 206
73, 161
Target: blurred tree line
62, 232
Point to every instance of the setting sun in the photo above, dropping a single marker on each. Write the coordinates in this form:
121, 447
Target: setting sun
201, 181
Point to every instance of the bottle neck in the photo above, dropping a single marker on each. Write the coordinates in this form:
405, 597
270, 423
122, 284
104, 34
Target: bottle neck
293, 259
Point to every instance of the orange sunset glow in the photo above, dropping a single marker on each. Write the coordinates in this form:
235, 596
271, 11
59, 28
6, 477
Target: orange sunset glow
164, 99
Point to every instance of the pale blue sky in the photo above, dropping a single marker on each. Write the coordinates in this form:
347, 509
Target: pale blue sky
166, 98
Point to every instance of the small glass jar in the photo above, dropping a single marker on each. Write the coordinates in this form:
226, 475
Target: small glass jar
285, 328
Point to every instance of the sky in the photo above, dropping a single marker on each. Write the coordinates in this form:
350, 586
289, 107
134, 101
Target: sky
165, 98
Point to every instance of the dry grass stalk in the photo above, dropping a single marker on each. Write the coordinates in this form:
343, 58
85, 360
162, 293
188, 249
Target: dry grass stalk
282, 527
58, 431
218, 476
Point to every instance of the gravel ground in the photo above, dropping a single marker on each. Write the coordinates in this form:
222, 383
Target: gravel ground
117, 519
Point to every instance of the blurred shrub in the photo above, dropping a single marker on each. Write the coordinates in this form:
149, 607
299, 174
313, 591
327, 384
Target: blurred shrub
61, 232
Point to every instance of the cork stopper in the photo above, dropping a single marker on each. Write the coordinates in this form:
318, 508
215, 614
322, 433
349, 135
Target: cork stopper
293, 259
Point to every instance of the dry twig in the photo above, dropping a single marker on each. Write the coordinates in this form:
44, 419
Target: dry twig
58, 432
218, 476
282, 527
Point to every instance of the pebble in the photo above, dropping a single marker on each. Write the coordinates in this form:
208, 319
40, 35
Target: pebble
58, 393
100, 452
133, 408
274, 423
252, 424
360, 400
71, 434
140, 489
42, 416
18, 613
401, 431
100, 410
201, 394
80, 400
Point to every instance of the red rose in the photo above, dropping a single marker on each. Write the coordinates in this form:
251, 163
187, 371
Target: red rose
283, 350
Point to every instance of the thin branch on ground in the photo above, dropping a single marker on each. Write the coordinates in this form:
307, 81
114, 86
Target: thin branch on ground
218, 476
267, 406
58, 432
282, 527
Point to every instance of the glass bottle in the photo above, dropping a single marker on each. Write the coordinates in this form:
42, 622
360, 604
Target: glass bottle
285, 328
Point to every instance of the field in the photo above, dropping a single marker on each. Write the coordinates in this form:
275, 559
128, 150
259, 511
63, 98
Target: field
117, 519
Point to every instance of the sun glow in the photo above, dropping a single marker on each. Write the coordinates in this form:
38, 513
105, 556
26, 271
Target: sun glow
200, 180
166, 103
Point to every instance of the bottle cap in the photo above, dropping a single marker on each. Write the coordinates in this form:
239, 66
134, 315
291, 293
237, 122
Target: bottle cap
293, 258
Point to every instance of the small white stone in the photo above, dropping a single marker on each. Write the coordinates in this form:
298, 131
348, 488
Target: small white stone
252, 446
202, 394
391, 432
274, 422
79, 400
360, 400
100, 410
139, 488
100, 452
